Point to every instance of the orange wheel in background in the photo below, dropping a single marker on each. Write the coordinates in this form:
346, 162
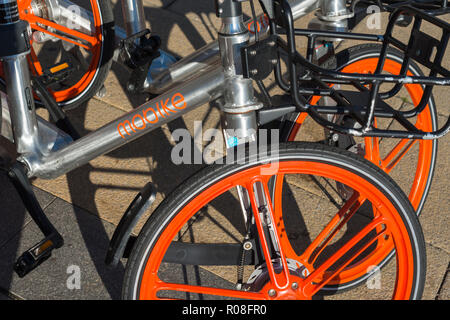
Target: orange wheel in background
279, 277
363, 59
56, 40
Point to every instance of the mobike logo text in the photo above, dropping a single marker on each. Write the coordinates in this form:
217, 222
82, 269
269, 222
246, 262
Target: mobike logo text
152, 115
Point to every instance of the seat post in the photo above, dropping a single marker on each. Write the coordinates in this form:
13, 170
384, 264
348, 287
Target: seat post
233, 35
134, 16
239, 116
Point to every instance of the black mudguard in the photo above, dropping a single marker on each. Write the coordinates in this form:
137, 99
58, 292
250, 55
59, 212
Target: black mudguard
122, 234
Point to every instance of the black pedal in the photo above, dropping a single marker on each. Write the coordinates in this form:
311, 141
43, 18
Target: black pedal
139, 49
57, 73
34, 256
138, 52
259, 59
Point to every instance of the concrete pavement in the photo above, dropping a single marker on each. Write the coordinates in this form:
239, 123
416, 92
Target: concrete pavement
87, 204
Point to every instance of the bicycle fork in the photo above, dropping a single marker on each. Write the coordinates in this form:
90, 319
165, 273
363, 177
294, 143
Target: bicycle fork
239, 119
15, 33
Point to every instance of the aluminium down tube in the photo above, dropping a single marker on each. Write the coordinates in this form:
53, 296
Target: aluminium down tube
129, 127
197, 62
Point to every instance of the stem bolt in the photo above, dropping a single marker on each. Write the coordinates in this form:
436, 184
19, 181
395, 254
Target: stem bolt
272, 293
335, 137
248, 245
294, 286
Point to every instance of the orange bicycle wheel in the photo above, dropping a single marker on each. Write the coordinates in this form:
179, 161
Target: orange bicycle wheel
363, 59
59, 38
203, 211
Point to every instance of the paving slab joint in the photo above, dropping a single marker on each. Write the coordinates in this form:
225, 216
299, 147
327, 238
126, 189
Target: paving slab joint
441, 287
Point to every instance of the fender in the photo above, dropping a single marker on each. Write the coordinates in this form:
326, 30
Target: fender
122, 238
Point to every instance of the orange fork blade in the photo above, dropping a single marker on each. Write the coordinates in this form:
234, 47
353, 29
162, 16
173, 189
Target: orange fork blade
35, 21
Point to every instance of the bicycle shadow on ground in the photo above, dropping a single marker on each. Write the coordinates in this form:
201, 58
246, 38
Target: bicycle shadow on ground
165, 176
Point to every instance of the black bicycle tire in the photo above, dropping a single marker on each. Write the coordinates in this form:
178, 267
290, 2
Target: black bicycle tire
352, 54
209, 175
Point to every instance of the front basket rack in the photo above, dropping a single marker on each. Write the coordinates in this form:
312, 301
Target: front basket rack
306, 79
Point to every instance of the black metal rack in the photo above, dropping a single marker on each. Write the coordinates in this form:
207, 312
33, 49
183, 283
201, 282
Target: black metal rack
432, 7
306, 79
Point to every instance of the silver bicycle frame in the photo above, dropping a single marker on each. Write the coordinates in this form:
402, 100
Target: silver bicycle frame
201, 59
51, 156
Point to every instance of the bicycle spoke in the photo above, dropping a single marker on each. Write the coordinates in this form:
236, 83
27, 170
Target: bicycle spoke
36, 23
160, 286
373, 150
279, 221
373, 147
332, 228
280, 280
35, 61
394, 157
311, 287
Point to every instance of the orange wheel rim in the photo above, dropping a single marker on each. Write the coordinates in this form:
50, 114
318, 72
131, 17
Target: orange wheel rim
387, 216
92, 43
424, 122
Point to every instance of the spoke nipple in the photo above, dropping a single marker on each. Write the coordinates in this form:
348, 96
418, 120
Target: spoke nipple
272, 293
294, 286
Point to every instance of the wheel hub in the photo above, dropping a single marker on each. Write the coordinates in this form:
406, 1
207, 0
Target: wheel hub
62, 12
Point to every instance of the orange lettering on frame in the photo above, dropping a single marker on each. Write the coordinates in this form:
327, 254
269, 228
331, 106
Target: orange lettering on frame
166, 108
178, 102
154, 112
143, 122
125, 128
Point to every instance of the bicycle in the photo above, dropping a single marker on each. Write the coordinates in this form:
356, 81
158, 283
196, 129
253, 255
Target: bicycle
375, 198
363, 59
51, 22
156, 75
